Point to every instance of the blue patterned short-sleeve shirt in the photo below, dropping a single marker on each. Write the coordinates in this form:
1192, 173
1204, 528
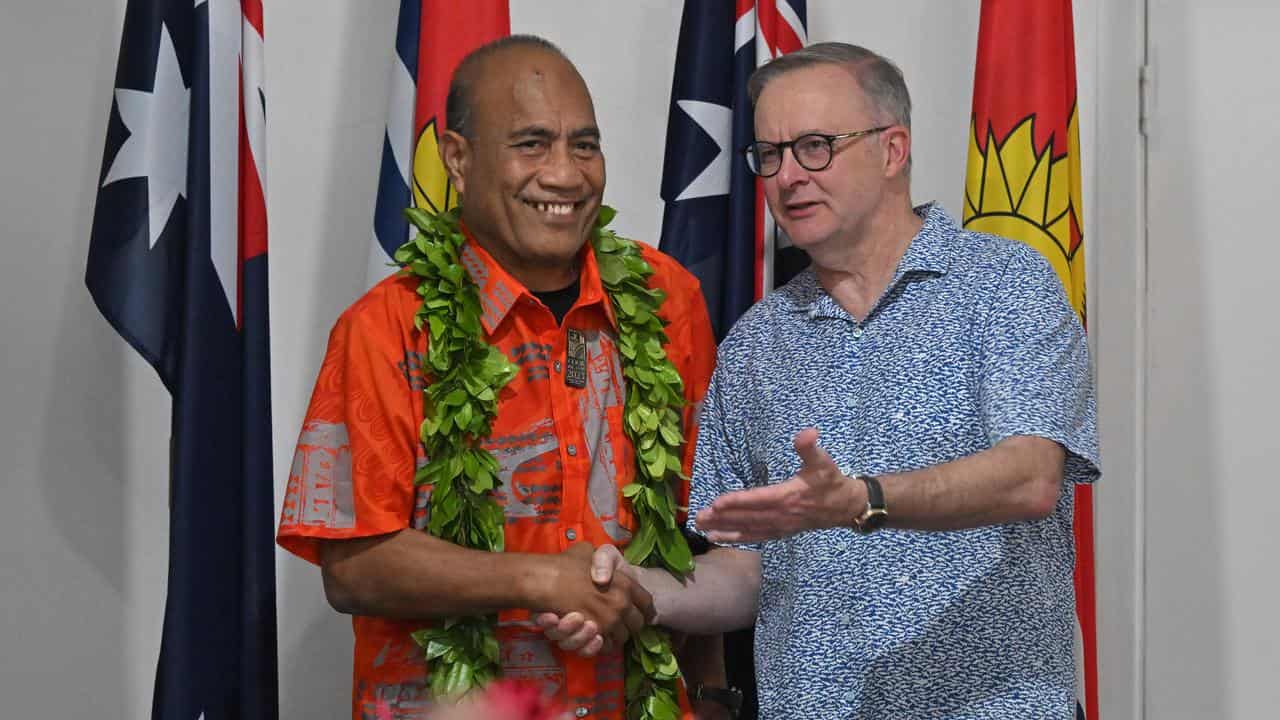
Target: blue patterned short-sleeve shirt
973, 342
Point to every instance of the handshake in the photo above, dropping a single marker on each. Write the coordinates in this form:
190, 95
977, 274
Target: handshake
594, 600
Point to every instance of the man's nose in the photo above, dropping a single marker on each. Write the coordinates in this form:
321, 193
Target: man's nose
790, 171
562, 169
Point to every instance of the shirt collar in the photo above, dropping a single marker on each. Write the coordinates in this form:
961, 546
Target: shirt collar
499, 291
930, 252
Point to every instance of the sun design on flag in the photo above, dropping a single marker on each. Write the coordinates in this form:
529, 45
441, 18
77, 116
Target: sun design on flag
1013, 191
431, 187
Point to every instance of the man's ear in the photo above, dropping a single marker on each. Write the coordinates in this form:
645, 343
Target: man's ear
455, 153
897, 145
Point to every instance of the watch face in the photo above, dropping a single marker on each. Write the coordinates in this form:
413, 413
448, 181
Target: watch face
875, 519
871, 520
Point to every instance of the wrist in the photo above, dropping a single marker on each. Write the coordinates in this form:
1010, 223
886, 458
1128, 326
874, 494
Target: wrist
874, 513
855, 502
644, 576
532, 580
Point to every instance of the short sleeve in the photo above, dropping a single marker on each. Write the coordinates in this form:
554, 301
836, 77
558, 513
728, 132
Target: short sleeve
698, 344
352, 471
721, 463
1035, 373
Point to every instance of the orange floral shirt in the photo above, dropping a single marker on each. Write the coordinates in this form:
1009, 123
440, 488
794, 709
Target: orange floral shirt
564, 459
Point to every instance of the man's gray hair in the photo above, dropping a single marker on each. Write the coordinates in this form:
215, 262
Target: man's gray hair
878, 77
459, 102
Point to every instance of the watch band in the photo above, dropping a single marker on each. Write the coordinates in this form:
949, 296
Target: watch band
729, 697
875, 514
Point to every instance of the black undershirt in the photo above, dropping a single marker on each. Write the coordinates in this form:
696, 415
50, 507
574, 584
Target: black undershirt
559, 301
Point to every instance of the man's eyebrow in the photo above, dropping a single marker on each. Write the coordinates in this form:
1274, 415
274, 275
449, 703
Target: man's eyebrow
590, 131
544, 133
537, 131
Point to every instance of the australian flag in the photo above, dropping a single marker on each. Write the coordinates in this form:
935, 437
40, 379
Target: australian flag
178, 265
715, 221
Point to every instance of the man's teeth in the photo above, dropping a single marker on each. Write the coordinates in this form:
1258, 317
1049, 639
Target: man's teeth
552, 208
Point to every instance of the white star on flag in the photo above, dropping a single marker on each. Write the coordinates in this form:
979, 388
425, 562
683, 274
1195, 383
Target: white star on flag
717, 122
156, 148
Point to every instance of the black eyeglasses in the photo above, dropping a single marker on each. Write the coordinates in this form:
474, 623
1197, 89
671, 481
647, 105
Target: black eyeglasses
813, 151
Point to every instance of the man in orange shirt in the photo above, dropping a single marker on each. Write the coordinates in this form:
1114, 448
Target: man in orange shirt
523, 151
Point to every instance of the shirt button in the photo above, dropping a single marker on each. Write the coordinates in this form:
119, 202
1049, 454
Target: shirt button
581, 712
557, 366
851, 402
573, 450
571, 534
857, 332
851, 695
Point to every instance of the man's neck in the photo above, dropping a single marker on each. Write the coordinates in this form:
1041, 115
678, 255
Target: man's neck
857, 272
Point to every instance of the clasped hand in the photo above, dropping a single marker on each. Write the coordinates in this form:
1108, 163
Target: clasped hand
598, 608
579, 629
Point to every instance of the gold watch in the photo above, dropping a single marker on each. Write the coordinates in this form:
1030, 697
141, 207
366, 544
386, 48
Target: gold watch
873, 517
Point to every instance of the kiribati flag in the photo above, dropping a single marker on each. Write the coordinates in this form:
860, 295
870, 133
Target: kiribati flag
1024, 182
432, 37
715, 221
178, 265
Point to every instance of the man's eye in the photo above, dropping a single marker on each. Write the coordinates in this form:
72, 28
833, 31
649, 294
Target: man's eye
530, 145
812, 145
586, 147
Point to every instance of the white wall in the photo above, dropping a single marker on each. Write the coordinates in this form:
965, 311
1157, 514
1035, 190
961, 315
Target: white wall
83, 421
1212, 639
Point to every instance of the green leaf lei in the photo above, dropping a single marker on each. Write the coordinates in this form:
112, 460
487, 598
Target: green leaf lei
459, 406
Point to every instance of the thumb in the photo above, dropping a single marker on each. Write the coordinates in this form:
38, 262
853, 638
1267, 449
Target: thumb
604, 561
811, 455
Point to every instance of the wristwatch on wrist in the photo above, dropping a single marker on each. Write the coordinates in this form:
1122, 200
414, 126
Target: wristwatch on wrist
729, 697
873, 517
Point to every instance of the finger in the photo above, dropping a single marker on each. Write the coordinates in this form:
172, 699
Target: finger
604, 561
811, 454
579, 640
634, 620
593, 647
568, 625
547, 620
768, 498
618, 632
643, 601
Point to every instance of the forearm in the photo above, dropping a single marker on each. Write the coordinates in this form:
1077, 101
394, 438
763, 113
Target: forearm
1018, 479
411, 574
720, 595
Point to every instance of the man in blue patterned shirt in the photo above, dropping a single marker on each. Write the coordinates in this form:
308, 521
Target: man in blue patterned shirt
890, 443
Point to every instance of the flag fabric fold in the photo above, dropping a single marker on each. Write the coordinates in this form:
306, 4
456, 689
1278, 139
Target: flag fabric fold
714, 221
432, 37
178, 265
1023, 182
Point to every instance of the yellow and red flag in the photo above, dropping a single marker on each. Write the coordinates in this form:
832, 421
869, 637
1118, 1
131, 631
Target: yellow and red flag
432, 37
1023, 182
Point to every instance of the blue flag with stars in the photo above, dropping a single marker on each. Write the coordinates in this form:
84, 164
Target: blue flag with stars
178, 266
714, 220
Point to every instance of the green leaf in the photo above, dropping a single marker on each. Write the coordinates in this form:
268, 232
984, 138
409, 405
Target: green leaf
606, 216
641, 545
674, 550
670, 434
612, 269
463, 419
658, 465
